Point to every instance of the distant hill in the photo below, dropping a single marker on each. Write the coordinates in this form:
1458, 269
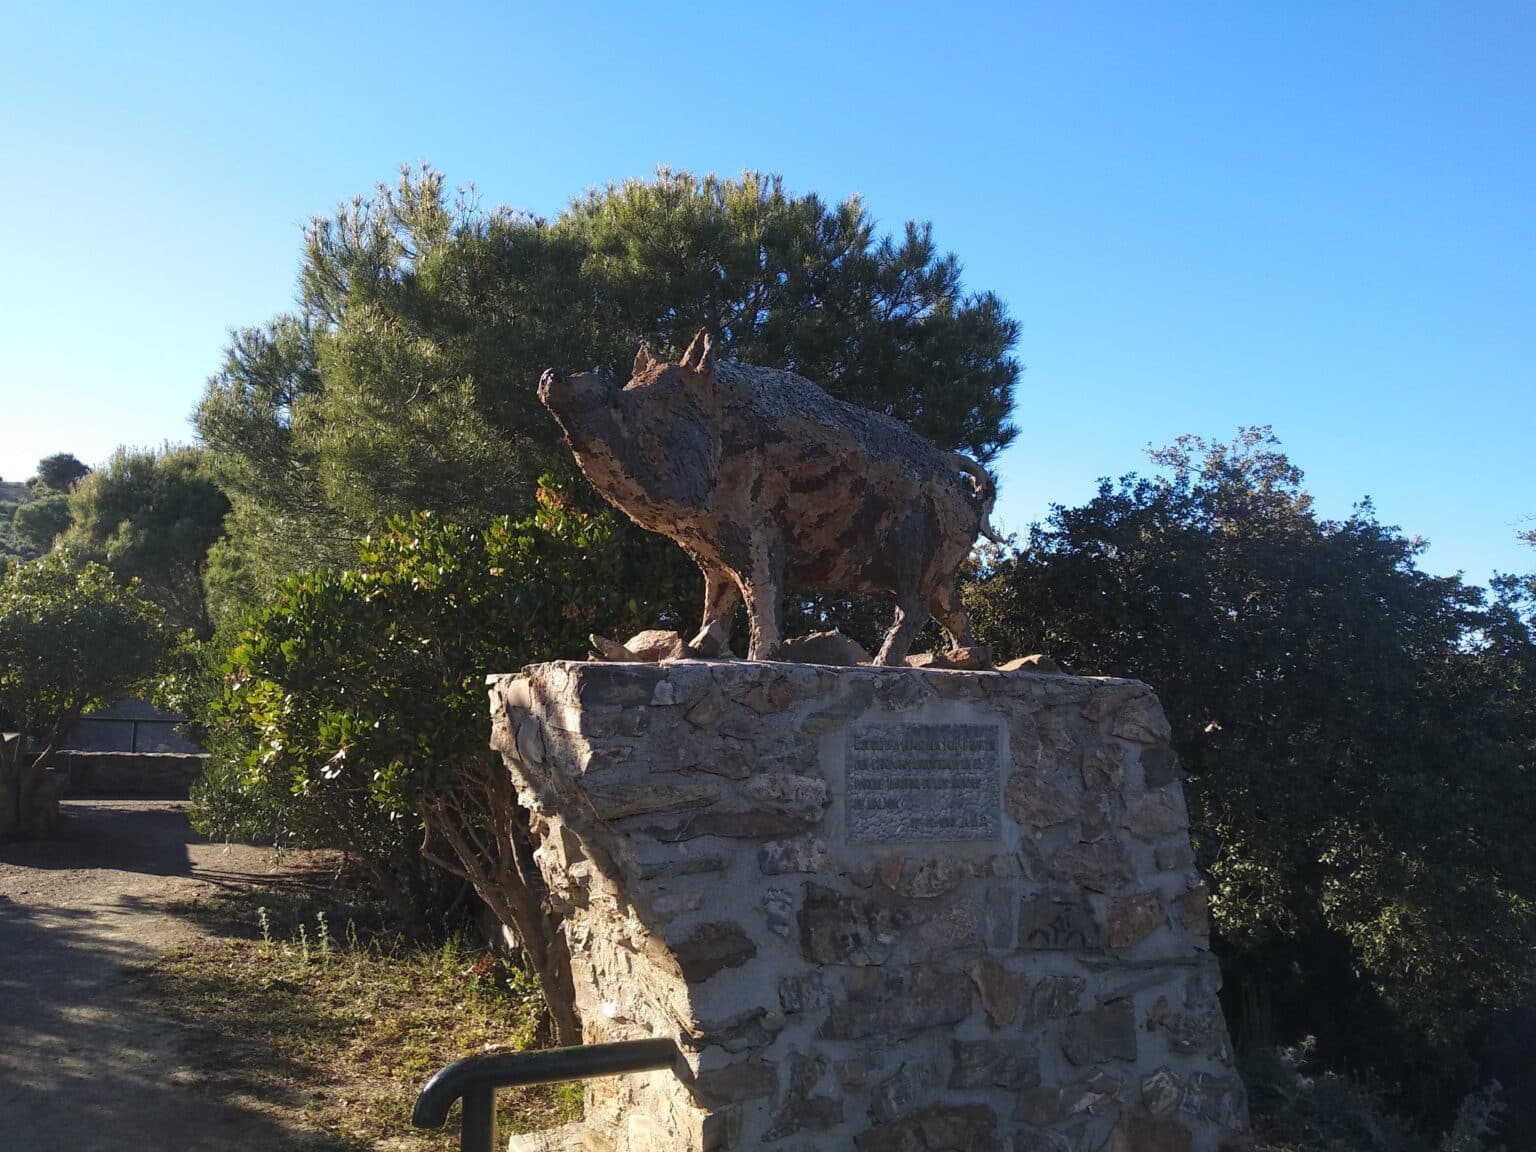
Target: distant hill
13, 492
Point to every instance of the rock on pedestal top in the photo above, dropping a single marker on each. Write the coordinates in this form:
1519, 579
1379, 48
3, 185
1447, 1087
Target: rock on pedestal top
877, 908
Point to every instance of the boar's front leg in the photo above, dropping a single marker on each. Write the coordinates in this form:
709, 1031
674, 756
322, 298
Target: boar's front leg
911, 615
763, 588
720, 596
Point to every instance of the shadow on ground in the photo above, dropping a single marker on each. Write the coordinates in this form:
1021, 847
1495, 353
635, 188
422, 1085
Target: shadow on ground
86, 1061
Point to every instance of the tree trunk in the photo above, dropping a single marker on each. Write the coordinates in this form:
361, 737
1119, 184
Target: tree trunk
27, 810
404, 905
10, 785
486, 832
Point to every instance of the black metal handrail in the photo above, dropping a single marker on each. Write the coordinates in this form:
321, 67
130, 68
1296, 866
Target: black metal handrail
476, 1078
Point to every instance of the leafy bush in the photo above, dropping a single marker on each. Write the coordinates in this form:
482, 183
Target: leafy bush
353, 712
71, 639
152, 516
1357, 736
1298, 1105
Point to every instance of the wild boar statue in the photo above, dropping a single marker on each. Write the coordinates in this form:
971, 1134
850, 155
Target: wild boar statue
766, 480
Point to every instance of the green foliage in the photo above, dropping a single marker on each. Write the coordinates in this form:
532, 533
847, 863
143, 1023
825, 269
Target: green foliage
152, 517
71, 638
36, 524
60, 471
1357, 736
1300, 1106
10, 547
282, 521
360, 693
35, 513
405, 382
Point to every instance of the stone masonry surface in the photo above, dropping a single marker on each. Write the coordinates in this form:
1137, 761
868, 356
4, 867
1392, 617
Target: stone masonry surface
890, 910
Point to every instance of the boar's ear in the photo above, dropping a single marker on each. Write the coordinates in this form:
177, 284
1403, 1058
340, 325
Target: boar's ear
644, 361
700, 357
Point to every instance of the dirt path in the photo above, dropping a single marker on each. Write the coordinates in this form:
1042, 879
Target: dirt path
86, 1062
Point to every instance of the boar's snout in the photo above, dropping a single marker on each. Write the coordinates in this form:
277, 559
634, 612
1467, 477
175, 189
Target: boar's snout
549, 383
560, 392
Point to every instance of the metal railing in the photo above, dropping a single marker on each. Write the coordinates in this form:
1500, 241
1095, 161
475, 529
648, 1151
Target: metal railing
476, 1078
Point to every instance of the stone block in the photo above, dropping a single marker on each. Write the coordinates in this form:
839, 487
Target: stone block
1194, 910
877, 908
932, 878
530, 740
1160, 1091
935, 1128
1214, 1098
1159, 767
903, 1090
1099, 865
616, 801
802, 1106
1040, 1140
1172, 857
674, 863
806, 854
1193, 1026
1003, 992
824, 648
779, 911
1106, 1033
619, 685
1054, 998
743, 824
1031, 799
805, 991
1049, 1105
774, 695
711, 947
705, 713
1148, 1134
786, 790
840, 929
1050, 922
1100, 814
1134, 919
1011, 1064
1159, 815
746, 1080
1104, 768
899, 1003
1142, 720
953, 930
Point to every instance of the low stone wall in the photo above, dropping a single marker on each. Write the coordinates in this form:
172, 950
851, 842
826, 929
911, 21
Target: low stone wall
128, 774
893, 910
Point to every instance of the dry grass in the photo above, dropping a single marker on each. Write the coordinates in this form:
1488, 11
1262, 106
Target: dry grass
344, 1025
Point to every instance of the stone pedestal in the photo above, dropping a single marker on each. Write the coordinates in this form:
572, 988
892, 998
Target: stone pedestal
892, 910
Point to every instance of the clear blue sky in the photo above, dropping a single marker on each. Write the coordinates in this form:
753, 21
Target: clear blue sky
1320, 216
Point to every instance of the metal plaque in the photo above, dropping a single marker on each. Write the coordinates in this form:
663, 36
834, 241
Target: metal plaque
923, 782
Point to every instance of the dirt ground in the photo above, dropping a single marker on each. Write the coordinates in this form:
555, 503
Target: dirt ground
86, 1062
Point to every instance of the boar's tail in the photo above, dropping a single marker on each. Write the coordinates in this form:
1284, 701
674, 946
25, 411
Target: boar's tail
984, 490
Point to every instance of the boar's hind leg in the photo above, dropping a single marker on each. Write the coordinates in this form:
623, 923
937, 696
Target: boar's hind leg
952, 616
720, 597
911, 615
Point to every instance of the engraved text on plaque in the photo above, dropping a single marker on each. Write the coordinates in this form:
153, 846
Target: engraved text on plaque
923, 782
